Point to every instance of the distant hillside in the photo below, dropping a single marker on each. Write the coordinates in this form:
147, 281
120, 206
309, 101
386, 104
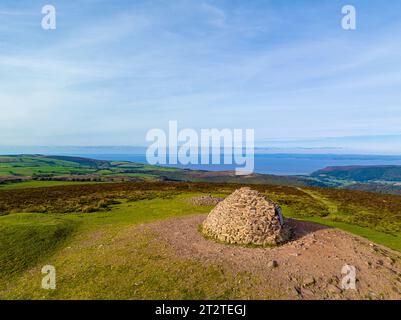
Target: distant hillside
39, 170
361, 173
86, 162
23, 168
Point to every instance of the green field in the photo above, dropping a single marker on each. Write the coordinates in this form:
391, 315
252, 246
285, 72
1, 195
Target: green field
99, 256
19, 168
40, 167
22, 168
40, 184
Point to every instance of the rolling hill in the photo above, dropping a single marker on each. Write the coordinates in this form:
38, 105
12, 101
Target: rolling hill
18, 171
65, 212
39, 168
361, 173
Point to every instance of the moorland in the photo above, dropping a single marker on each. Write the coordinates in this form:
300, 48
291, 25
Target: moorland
85, 217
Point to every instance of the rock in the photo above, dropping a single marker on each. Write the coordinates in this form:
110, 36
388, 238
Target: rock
390, 260
309, 281
247, 217
205, 200
272, 264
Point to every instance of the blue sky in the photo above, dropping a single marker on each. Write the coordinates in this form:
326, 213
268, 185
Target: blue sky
115, 69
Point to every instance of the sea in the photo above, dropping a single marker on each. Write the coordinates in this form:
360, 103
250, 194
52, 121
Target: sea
277, 164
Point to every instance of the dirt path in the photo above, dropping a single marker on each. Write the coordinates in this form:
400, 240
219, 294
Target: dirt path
309, 267
331, 206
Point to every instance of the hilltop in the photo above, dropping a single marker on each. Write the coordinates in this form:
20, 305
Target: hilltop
98, 222
139, 240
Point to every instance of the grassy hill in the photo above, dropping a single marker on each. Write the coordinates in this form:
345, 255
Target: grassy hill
23, 171
375, 211
22, 168
361, 173
81, 215
383, 179
86, 232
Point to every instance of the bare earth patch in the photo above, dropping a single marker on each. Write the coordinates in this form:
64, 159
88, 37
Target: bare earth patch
308, 267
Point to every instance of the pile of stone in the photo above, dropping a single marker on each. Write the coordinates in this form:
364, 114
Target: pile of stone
205, 200
247, 217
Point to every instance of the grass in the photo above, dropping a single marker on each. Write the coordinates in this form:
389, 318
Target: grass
330, 205
364, 209
60, 166
129, 213
30, 171
106, 258
392, 241
132, 267
102, 255
40, 184
37, 165
26, 239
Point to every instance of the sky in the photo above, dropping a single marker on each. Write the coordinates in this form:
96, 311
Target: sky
113, 70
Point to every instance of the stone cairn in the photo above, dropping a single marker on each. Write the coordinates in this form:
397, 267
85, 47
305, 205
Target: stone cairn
247, 217
205, 200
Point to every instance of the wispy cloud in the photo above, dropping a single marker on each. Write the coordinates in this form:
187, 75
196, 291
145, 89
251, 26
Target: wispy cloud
217, 17
112, 71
